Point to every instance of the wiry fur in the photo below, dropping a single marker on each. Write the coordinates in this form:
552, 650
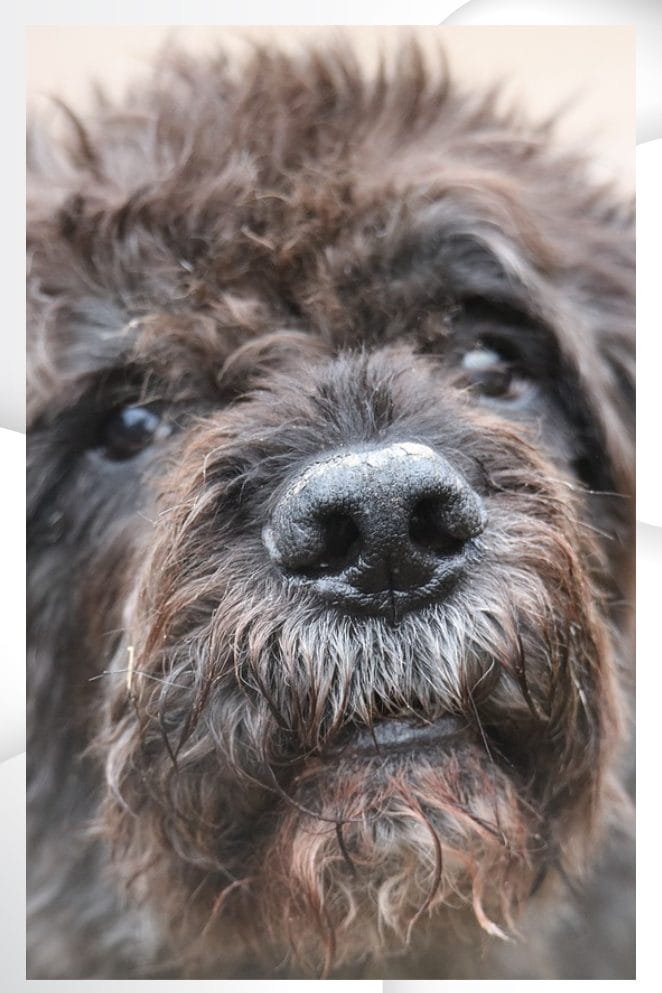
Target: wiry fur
291, 259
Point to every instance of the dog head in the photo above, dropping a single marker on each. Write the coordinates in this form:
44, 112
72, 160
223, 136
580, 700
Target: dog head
331, 446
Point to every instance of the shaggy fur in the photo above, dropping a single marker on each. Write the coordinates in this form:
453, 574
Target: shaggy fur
275, 261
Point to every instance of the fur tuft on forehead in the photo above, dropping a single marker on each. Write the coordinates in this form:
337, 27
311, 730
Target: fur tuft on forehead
273, 202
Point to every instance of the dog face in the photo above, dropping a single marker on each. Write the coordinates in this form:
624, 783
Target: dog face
331, 439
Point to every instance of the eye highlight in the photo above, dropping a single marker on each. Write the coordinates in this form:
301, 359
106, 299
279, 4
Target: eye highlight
492, 374
129, 430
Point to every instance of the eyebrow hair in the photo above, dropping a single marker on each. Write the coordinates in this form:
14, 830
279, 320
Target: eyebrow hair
461, 265
470, 264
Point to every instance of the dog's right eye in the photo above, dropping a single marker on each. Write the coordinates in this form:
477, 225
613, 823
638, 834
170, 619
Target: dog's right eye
128, 430
493, 374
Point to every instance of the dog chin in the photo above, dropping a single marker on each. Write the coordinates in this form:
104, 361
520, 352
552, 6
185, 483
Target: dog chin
396, 822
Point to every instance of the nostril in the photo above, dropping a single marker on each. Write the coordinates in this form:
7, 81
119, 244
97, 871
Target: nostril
339, 540
427, 530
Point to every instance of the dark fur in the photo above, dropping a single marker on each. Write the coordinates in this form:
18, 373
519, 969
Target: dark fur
292, 259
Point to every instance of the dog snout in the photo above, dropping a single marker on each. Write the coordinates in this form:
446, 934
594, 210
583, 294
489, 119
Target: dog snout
376, 528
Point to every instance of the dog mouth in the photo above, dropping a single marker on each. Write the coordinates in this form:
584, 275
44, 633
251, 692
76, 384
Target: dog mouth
396, 736
345, 593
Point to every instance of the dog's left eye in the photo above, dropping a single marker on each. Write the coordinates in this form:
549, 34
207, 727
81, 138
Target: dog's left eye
493, 374
128, 430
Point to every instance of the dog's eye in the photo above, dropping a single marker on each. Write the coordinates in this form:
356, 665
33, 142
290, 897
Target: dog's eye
493, 374
129, 430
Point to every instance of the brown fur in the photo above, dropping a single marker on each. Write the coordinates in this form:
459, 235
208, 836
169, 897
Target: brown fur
286, 260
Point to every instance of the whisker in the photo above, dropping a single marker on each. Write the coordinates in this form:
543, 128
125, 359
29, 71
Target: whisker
138, 672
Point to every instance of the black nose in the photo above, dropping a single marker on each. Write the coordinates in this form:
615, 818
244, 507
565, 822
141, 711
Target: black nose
378, 530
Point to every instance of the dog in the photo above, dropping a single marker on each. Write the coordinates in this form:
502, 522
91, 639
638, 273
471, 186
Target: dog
330, 533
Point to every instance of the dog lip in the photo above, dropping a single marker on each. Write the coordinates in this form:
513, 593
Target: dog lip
341, 592
395, 735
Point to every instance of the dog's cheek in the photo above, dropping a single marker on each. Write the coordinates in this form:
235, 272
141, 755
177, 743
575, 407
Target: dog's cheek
84, 528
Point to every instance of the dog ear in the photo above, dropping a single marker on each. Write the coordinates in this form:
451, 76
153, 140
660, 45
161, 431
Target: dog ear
610, 304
